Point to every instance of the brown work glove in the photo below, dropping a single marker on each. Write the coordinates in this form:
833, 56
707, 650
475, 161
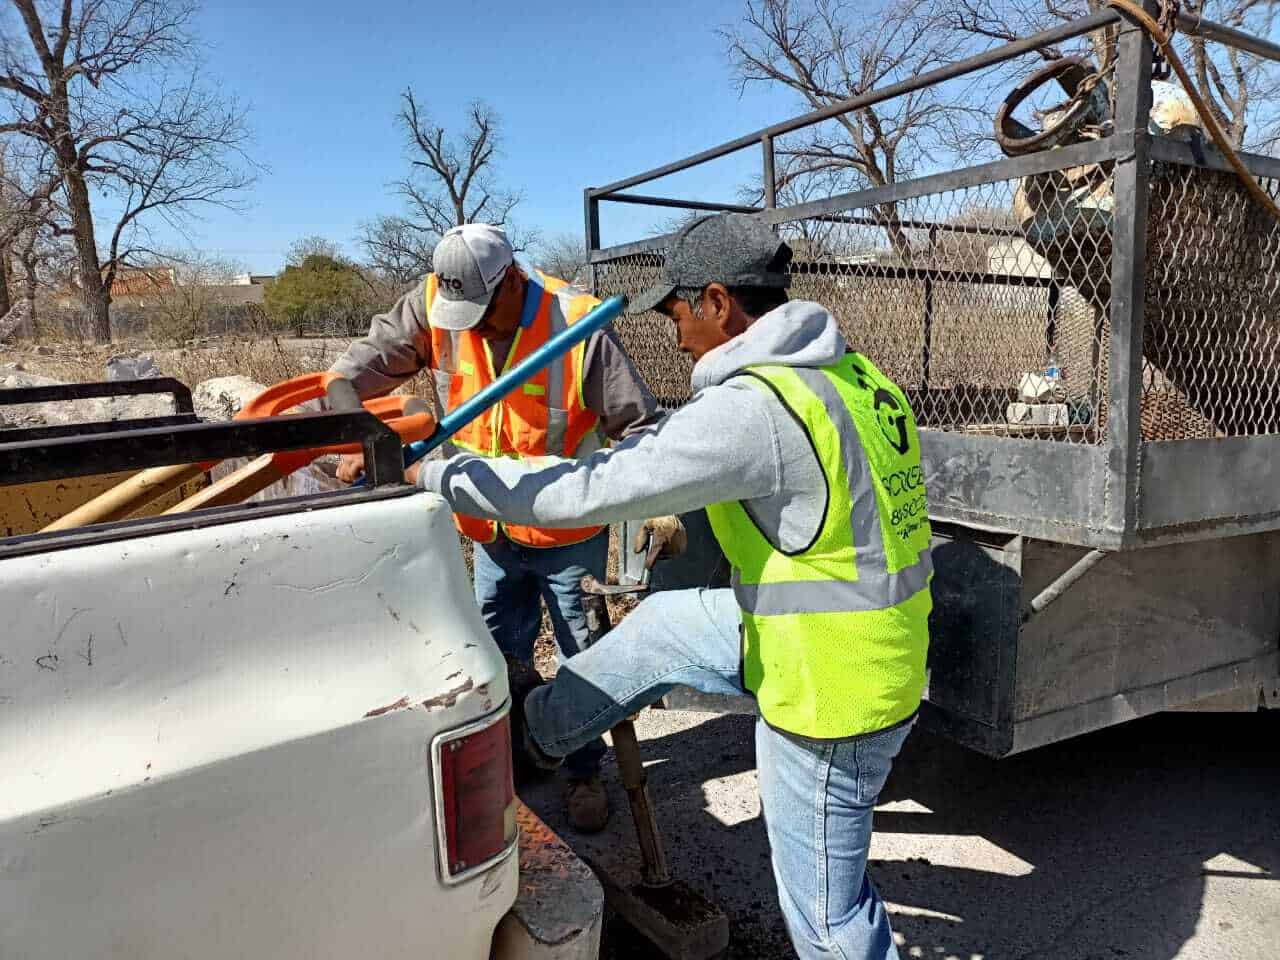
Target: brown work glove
661, 537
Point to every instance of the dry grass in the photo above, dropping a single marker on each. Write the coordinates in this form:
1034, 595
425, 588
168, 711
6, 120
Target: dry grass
266, 361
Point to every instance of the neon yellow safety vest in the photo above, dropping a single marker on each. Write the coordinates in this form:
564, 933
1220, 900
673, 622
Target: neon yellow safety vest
834, 636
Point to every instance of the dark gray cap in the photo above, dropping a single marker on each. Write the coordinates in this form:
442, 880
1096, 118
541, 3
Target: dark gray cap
735, 249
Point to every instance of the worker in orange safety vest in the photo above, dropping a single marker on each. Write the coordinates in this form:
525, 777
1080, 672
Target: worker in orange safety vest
478, 314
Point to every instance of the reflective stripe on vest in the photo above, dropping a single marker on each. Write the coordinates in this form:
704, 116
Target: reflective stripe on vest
545, 417
835, 635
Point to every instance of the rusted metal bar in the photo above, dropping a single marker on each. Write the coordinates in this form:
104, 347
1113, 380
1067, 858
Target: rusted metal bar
770, 177
1231, 37
32, 461
644, 200
656, 873
1070, 578
68, 392
1132, 191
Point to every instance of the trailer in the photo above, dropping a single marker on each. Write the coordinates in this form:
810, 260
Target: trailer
1118, 554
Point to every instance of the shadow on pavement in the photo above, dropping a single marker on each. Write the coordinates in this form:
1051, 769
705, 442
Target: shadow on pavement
1154, 840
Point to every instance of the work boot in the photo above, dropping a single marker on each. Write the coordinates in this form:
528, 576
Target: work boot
527, 761
587, 803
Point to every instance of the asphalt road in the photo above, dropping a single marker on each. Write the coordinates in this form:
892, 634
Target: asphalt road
1155, 840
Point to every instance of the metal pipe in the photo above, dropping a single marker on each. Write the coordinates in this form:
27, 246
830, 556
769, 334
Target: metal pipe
656, 244
544, 356
770, 176
1230, 36
644, 200
926, 350
1051, 318
648, 200
1010, 168
1064, 583
591, 226
591, 217
1204, 154
960, 68
937, 274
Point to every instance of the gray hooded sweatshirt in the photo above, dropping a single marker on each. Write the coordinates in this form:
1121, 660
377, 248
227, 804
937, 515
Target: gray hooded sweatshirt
732, 441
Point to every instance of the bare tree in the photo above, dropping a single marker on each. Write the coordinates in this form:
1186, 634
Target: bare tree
111, 88
1238, 88
563, 256
195, 291
312, 245
28, 216
453, 180
830, 50
397, 250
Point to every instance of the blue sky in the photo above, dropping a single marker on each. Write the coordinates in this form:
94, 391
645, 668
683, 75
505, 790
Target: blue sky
588, 92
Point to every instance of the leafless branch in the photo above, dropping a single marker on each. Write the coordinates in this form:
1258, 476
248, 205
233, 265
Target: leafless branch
397, 249
826, 51
452, 178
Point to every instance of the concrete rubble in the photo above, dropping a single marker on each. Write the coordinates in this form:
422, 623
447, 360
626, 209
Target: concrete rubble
139, 366
96, 409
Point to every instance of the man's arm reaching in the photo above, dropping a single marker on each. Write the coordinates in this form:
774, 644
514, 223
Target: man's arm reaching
613, 389
721, 446
397, 346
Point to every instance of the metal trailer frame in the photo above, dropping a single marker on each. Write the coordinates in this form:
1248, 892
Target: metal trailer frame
1016, 518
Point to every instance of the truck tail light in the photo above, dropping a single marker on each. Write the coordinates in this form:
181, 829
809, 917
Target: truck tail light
475, 797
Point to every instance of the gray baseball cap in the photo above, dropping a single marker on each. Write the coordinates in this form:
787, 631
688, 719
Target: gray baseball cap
469, 262
735, 249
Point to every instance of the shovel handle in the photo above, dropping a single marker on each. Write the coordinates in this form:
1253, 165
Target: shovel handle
626, 748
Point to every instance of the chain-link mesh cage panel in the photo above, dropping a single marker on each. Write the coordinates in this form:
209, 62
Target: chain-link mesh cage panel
649, 338
957, 296
1211, 338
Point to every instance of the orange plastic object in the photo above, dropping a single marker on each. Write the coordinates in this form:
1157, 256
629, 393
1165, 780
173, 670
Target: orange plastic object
272, 467
146, 486
286, 395
391, 410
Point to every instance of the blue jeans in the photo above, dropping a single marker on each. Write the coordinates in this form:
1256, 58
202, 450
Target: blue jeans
817, 797
511, 583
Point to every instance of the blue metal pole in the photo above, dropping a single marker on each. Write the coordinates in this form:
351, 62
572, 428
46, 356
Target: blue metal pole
552, 350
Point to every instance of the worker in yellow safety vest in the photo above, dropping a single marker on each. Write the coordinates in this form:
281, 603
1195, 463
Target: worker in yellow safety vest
807, 460
477, 314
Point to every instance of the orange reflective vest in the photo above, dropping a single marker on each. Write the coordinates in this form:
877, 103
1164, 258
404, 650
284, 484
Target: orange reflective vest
545, 417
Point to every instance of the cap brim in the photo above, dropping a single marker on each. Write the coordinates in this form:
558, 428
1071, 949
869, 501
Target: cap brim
457, 314
651, 298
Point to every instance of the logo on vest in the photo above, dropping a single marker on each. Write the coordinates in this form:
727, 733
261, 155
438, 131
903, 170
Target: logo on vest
892, 420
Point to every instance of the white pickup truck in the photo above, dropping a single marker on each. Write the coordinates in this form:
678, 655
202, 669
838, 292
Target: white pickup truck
272, 730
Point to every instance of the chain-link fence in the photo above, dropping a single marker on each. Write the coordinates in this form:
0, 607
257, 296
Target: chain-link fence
947, 294
960, 295
1211, 339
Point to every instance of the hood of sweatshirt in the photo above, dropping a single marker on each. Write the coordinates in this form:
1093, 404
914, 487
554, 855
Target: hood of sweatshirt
797, 334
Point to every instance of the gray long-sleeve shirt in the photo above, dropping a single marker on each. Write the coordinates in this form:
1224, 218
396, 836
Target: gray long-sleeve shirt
733, 441
398, 346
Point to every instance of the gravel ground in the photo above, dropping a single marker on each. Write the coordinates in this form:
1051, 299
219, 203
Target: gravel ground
1156, 840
